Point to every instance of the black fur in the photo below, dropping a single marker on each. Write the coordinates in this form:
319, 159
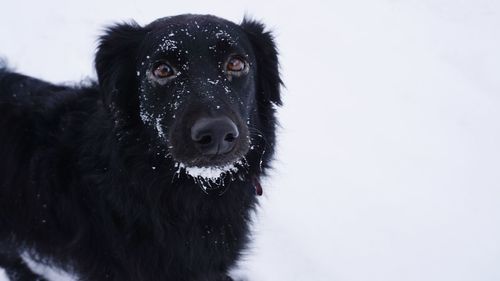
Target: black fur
90, 186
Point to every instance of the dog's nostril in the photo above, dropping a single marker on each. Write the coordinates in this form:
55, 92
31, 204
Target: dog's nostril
229, 138
205, 139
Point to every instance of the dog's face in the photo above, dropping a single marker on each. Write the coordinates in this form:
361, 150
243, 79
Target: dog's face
197, 83
200, 85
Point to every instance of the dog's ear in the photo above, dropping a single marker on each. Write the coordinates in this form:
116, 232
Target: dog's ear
115, 64
266, 54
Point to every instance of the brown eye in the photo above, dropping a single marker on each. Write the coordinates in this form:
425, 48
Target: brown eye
163, 70
236, 65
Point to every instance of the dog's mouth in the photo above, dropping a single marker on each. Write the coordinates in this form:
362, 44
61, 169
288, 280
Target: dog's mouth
213, 176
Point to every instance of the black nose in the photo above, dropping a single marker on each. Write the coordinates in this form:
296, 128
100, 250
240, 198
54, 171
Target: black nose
214, 135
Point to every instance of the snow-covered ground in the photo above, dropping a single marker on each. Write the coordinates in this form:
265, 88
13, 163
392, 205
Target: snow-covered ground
389, 158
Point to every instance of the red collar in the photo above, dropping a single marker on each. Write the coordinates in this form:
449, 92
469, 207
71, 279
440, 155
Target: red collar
257, 185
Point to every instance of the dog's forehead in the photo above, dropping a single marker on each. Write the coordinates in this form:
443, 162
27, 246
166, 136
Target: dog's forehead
173, 32
190, 20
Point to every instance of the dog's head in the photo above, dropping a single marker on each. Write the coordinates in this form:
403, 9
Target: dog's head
203, 88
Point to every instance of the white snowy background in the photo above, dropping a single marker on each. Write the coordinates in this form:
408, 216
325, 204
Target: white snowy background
389, 161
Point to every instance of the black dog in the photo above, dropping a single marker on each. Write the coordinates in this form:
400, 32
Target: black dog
151, 173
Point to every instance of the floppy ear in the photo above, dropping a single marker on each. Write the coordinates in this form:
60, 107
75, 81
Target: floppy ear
269, 81
115, 64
